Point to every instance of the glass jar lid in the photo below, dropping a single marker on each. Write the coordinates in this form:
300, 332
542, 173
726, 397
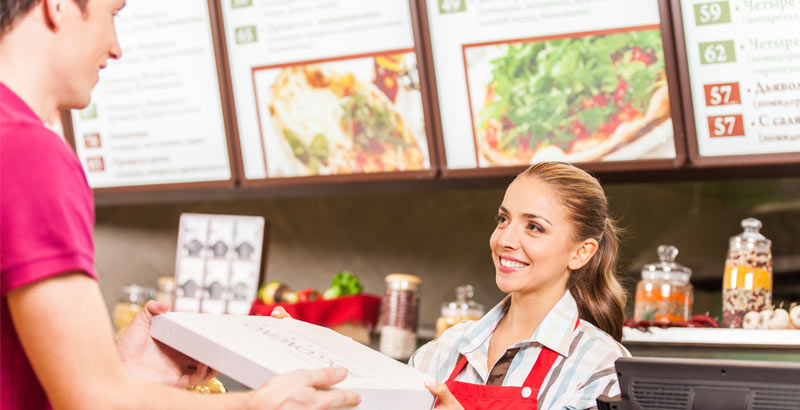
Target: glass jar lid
402, 281
666, 268
463, 305
137, 294
751, 237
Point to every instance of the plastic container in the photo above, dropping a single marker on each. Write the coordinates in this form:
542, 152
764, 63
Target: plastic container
399, 316
130, 302
664, 293
747, 283
459, 310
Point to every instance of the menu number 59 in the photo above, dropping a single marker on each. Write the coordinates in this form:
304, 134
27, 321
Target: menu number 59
726, 126
715, 52
712, 13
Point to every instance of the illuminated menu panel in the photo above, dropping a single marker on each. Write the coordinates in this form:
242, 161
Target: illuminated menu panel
155, 116
744, 70
325, 87
523, 81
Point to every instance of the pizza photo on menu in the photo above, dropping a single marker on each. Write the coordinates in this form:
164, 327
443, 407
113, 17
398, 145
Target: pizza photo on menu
342, 117
581, 98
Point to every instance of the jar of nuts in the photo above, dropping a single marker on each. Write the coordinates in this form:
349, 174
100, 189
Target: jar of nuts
747, 282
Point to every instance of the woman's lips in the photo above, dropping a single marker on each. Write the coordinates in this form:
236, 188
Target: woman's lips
507, 264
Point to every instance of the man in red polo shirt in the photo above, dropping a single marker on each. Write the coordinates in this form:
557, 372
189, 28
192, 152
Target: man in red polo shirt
57, 345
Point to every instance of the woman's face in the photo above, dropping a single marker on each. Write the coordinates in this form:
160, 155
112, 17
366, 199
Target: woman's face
532, 245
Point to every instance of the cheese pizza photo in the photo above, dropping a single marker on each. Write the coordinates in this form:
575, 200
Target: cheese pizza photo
582, 98
361, 115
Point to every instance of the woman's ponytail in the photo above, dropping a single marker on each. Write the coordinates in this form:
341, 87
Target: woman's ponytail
600, 297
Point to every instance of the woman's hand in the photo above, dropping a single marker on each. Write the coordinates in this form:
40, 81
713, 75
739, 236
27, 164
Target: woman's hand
446, 399
280, 313
150, 360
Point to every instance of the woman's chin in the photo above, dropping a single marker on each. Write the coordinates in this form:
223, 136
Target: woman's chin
505, 284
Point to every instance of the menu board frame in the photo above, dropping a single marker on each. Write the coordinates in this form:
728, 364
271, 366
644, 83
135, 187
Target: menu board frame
234, 159
420, 46
676, 112
690, 122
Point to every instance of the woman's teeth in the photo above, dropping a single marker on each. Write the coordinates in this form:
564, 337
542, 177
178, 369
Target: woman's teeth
511, 264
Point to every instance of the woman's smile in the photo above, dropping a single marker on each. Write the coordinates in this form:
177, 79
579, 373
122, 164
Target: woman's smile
508, 264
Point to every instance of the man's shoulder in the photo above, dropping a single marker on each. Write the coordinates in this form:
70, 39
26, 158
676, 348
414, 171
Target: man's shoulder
35, 145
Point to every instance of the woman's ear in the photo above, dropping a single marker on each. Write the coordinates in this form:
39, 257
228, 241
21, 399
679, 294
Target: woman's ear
583, 253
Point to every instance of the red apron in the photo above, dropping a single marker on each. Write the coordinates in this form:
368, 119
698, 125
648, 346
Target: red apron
483, 397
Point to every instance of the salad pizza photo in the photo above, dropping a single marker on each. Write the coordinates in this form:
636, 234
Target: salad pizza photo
359, 115
581, 98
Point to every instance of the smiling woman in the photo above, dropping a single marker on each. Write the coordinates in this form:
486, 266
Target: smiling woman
553, 341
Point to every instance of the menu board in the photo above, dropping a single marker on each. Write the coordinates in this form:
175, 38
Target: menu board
743, 61
325, 87
523, 81
155, 116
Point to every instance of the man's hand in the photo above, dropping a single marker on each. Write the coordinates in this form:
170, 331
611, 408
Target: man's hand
446, 399
150, 360
305, 389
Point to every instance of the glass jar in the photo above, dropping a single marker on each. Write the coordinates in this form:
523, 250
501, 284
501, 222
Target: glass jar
747, 283
399, 314
664, 293
131, 301
459, 310
166, 290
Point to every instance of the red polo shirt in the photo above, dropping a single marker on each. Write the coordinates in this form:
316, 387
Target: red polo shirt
46, 223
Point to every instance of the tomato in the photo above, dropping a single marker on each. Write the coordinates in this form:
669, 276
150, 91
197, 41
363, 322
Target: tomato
619, 93
578, 129
646, 57
491, 136
600, 100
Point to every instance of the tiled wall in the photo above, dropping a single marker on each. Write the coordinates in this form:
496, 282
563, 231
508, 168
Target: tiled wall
443, 236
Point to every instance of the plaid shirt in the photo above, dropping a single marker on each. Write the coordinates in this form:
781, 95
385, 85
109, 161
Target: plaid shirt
583, 371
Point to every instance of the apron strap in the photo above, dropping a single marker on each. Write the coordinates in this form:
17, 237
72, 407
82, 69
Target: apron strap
542, 366
462, 362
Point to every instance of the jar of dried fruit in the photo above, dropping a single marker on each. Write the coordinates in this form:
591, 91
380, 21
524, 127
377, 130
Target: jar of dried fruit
664, 294
747, 283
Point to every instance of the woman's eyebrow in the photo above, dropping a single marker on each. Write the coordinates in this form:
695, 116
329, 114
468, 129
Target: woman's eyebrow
528, 216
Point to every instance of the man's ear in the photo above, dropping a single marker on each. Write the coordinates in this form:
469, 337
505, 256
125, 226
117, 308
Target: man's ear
583, 253
54, 11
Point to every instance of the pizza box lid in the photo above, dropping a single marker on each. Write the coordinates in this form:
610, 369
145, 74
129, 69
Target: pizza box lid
251, 349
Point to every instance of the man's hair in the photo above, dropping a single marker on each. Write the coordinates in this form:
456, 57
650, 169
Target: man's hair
11, 9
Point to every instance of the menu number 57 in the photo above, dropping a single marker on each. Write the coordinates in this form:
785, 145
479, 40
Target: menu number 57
715, 52
712, 13
726, 126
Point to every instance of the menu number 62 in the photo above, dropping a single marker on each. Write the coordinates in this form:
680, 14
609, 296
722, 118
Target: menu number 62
717, 52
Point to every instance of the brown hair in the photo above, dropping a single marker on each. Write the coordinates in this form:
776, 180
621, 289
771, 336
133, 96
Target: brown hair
11, 9
598, 293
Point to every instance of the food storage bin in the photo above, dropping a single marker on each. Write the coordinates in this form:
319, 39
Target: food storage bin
399, 315
747, 283
459, 310
664, 293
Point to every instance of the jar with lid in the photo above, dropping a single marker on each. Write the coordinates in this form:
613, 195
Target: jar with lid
747, 282
459, 310
664, 293
131, 301
399, 315
166, 290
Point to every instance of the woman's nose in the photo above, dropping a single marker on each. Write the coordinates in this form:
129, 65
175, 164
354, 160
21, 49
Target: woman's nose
509, 237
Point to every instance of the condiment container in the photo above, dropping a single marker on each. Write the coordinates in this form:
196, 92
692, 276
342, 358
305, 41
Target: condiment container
459, 310
747, 283
664, 293
399, 315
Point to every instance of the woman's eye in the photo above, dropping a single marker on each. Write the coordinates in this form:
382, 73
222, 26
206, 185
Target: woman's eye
500, 219
535, 227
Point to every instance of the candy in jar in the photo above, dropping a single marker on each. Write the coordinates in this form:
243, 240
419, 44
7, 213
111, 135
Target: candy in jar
747, 283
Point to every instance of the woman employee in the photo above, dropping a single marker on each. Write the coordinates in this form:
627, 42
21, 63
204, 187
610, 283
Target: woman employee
552, 343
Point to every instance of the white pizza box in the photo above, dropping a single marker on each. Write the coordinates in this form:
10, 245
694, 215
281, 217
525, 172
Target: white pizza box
251, 349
